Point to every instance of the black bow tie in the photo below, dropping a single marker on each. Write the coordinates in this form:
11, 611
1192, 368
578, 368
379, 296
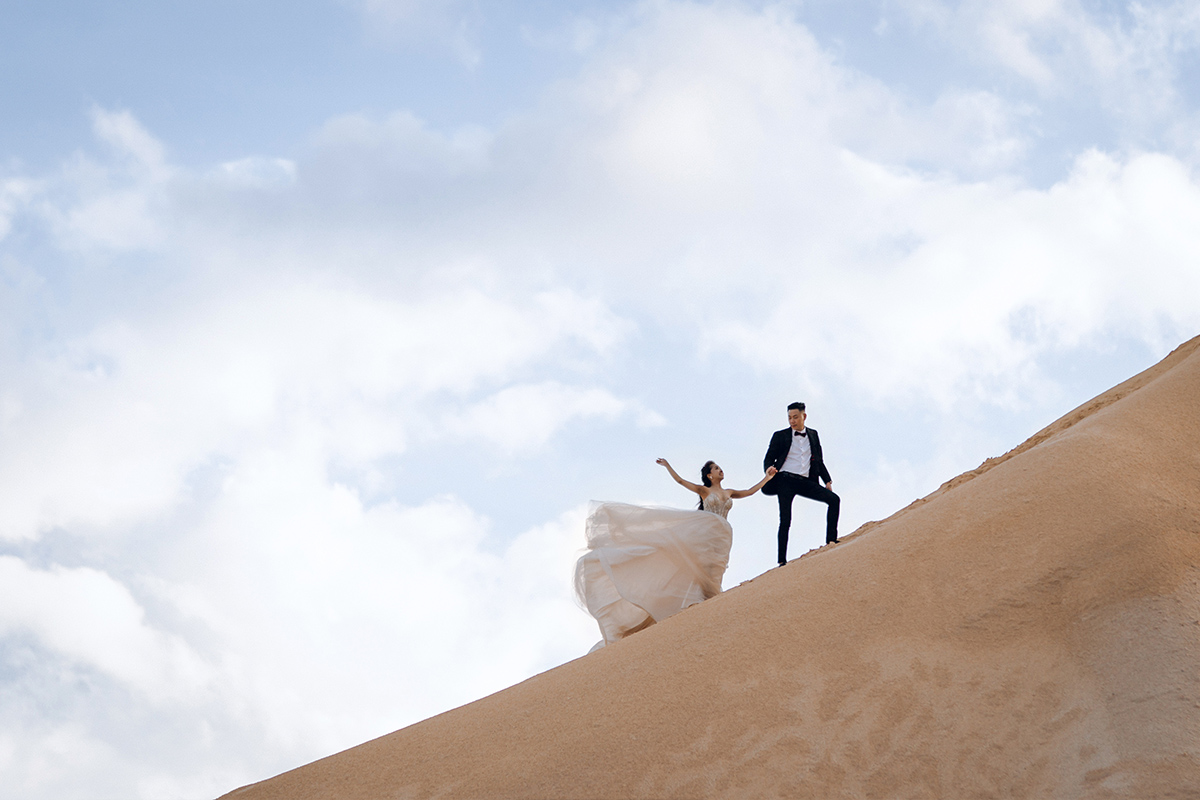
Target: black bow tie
803, 433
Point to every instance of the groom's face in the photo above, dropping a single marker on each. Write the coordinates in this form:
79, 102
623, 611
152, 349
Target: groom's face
796, 419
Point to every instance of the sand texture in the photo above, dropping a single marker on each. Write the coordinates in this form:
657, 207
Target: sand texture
1031, 629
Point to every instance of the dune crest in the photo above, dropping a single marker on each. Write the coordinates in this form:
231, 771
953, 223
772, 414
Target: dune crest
1030, 629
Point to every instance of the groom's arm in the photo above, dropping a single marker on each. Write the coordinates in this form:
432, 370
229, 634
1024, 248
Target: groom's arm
770, 458
819, 458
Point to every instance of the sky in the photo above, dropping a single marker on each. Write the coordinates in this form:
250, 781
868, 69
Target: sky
322, 323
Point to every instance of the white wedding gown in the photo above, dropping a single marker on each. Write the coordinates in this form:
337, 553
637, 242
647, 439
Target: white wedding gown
645, 564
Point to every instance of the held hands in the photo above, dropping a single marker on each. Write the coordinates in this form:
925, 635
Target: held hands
772, 472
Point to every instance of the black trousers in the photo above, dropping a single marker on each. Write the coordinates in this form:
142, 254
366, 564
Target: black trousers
785, 486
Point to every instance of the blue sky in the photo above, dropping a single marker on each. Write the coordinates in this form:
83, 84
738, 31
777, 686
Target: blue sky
321, 324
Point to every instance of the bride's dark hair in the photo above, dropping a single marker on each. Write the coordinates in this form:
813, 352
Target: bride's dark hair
704, 471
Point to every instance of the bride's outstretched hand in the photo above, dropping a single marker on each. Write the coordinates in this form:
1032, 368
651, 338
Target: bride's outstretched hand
772, 472
675, 476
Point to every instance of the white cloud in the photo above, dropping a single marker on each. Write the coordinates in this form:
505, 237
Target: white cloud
404, 143
114, 204
119, 221
324, 622
122, 132
35, 762
258, 172
525, 417
998, 275
87, 616
1127, 56
14, 194
340, 621
108, 431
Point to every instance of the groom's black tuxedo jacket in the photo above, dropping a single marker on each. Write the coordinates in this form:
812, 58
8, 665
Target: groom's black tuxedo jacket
781, 443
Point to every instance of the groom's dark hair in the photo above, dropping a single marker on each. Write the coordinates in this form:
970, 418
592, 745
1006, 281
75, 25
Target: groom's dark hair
796, 407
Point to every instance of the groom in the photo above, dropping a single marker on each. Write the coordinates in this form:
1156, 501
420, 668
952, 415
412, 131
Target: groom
796, 452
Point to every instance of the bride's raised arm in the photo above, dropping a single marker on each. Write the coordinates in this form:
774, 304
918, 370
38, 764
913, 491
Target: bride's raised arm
700, 490
747, 492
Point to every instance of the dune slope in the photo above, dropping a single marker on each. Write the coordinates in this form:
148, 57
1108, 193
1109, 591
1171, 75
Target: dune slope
1031, 629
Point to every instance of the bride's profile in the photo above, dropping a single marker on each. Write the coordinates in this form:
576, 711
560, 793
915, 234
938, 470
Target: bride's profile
644, 564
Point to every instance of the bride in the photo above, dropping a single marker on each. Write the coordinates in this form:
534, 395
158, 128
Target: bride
645, 564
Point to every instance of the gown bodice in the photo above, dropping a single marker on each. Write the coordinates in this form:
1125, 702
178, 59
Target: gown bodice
718, 506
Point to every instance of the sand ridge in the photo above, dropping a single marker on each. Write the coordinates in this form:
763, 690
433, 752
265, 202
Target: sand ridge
1030, 629
1058, 426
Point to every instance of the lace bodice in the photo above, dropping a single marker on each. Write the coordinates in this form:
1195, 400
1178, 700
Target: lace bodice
718, 505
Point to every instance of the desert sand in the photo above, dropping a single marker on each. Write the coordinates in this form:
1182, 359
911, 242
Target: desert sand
1030, 629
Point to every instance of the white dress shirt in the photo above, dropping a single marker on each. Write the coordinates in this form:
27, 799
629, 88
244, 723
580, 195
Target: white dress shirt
799, 457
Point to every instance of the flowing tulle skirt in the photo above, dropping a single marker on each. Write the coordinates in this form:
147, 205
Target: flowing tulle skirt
645, 564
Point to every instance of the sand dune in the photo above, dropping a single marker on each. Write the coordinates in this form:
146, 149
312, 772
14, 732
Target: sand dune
1031, 629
